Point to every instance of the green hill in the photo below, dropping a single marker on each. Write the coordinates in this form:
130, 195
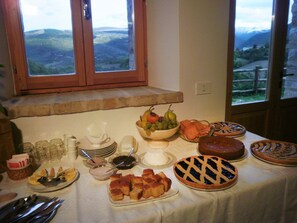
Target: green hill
51, 51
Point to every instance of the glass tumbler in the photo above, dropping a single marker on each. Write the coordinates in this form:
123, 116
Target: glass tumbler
43, 151
60, 147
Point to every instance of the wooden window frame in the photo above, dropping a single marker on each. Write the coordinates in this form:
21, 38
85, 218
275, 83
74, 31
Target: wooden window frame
85, 77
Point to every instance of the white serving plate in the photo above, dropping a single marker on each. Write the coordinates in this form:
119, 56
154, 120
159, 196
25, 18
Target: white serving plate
127, 201
43, 189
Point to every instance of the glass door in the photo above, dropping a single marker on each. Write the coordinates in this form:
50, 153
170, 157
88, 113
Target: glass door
289, 83
252, 46
262, 67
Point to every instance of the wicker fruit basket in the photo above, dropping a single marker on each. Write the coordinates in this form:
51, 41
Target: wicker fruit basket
20, 174
204, 128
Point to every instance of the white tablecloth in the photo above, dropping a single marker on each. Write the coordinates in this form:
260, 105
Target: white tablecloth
263, 193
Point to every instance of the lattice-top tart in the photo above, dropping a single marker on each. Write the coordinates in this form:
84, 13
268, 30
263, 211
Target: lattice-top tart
276, 152
229, 129
206, 172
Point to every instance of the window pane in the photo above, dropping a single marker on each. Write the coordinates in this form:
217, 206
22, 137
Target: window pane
48, 37
251, 50
289, 89
113, 35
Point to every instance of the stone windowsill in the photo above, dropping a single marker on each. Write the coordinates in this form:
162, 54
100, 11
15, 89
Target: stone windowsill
84, 101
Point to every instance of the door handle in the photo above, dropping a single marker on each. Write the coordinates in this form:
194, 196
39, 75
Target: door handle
284, 73
87, 9
287, 75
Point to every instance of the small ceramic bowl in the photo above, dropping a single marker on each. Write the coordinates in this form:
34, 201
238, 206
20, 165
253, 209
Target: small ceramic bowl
129, 162
99, 161
102, 173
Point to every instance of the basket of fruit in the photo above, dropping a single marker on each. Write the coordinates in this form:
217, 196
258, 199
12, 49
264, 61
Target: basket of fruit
192, 130
156, 127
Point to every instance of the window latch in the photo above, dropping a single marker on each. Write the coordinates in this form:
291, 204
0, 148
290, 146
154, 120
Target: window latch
87, 10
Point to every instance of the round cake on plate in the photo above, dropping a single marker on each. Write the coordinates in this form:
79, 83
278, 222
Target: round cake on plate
228, 129
275, 152
224, 147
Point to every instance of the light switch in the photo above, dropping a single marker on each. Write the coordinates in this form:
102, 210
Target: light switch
203, 87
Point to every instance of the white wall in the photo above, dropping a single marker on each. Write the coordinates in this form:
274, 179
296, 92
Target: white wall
203, 56
187, 42
163, 43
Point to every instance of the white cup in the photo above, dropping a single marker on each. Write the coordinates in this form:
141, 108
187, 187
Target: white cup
97, 140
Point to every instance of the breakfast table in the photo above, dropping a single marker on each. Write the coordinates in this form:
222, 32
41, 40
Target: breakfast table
263, 193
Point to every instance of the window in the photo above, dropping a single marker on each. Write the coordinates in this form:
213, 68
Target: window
63, 45
251, 51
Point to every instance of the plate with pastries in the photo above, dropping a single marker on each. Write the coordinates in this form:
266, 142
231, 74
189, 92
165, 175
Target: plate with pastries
133, 189
52, 179
191, 130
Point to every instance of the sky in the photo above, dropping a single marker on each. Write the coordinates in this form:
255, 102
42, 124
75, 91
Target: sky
254, 14
38, 14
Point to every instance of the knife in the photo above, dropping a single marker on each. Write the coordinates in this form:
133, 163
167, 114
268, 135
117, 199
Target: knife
22, 217
9, 211
45, 213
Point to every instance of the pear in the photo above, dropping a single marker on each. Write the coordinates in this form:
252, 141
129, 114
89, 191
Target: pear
143, 118
170, 115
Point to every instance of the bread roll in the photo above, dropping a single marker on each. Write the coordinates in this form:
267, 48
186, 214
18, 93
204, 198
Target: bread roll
147, 191
156, 178
116, 195
115, 184
136, 180
125, 187
162, 175
147, 173
157, 189
147, 181
166, 182
115, 176
137, 185
136, 194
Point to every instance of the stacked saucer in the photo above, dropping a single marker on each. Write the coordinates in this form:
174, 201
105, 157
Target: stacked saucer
104, 150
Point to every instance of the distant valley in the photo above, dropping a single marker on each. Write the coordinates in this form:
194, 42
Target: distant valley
51, 51
246, 39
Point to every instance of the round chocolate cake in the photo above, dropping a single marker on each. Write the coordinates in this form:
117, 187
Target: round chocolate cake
226, 148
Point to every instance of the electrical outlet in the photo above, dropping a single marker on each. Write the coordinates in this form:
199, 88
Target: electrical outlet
203, 87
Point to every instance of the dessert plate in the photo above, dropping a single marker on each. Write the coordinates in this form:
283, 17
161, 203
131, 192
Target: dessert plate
171, 160
229, 129
207, 173
275, 152
127, 201
104, 152
43, 189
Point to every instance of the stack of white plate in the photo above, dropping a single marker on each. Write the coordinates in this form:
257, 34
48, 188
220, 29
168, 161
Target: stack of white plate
104, 150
